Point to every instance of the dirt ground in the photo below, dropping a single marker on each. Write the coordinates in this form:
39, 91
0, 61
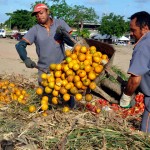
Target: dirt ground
11, 63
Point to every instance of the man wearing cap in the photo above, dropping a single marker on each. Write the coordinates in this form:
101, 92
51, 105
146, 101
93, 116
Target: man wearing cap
48, 39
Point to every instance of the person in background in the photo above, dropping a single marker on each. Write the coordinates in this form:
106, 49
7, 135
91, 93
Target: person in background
139, 68
49, 36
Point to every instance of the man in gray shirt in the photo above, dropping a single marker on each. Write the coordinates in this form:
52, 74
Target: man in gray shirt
139, 69
49, 44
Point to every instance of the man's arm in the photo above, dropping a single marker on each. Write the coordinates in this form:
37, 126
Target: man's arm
132, 85
21, 49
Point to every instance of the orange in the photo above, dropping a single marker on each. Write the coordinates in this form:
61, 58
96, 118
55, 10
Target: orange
86, 82
64, 82
88, 97
77, 48
66, 97
98, 69
69, 72
70, 64
18, 92
57, 87
78, 84
84, 78
98, 110
97, 59
51, 78
44, 107
51, 84
58, 80
82, 65
94, 64
63, 76
23, 92
68, 52
88, 68
43, 101
73, 56
74, 90
48, 90
81, 57
63, 90
87, 62
84, 87
66, 109
32, 108
11, 84
82, 73
92, 49
52, 66
88, 57
104, 56
70, 78
44, 83
66, 67
55, 93
58, 67
68, 86
44, 76
92, 85
76, 67
78, 97
83, 49
55, 100
68, 59
76, 78
45, 98
39, 91
92, 75
98, 54
57, 74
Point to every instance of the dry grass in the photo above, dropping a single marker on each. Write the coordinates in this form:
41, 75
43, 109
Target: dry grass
78, 129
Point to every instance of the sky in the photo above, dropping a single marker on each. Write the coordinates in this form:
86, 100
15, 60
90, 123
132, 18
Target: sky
119, 7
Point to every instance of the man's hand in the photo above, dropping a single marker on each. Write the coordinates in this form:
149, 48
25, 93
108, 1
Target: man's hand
125, 101
29, 63
65, 36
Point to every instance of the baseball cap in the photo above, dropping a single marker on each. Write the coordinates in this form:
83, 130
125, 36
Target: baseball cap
38, 8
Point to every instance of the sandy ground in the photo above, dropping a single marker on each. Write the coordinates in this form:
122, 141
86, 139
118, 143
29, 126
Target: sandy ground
11, 63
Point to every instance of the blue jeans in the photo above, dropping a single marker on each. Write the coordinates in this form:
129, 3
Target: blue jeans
145, 125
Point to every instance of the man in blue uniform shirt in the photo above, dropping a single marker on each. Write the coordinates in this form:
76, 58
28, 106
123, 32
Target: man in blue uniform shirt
139, 68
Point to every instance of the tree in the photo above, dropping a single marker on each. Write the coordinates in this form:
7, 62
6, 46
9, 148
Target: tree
61, 10
113, 25
21, 19
81, 14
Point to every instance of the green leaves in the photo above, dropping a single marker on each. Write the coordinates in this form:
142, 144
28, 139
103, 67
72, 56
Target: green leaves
113, 25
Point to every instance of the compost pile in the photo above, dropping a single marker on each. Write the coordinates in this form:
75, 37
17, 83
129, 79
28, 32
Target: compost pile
77, 129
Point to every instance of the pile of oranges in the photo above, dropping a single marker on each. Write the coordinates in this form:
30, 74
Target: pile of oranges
73, 76
10, 92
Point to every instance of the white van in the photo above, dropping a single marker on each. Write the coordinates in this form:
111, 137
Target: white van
2, 33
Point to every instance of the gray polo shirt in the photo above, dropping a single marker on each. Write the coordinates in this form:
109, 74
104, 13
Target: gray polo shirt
140, 63
48, 46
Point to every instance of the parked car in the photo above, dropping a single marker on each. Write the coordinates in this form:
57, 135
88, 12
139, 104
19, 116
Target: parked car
121, 43
2, 33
